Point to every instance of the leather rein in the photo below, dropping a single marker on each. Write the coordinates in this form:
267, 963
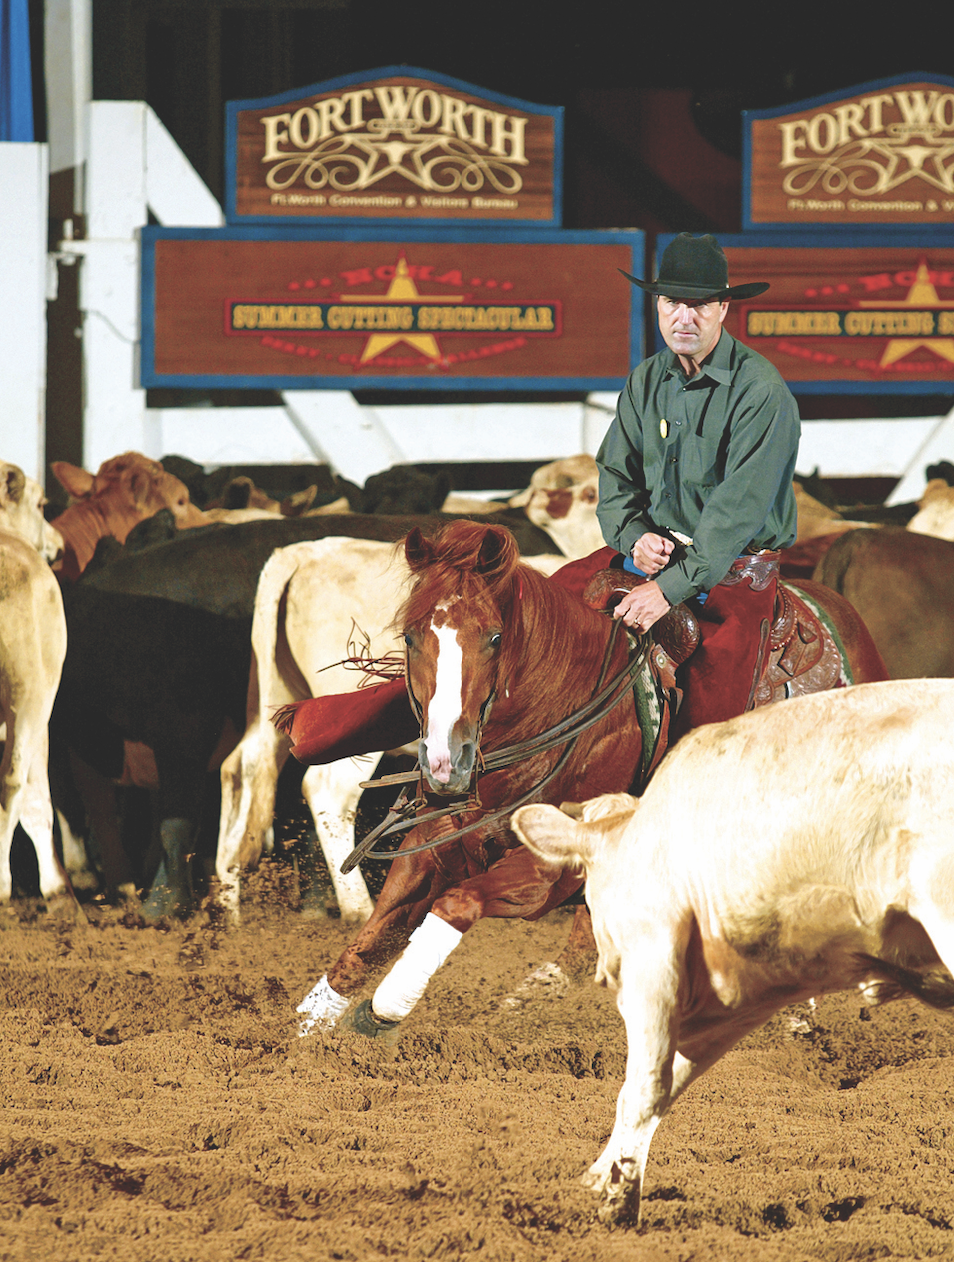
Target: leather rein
406, 812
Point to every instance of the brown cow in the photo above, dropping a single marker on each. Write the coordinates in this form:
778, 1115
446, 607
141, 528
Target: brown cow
126, 490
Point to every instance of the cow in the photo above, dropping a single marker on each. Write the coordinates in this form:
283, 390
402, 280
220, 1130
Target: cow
32, 649
561, 499
797, 850
317, 603
902, 585
159, 654
21, 510
935, 515
126, 490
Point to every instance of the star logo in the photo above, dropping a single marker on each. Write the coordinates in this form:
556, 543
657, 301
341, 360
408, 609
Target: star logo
921, 294
402, 289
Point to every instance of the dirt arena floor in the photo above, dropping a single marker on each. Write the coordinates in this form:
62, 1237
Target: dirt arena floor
158, 1106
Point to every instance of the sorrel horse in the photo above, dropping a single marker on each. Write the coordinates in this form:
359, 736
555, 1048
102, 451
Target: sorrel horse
496, 655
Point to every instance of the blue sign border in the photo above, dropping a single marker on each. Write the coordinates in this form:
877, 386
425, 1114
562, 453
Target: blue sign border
812, 239
149, 378
811, 103
234, 108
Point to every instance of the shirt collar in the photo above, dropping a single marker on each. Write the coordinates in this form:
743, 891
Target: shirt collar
717, 365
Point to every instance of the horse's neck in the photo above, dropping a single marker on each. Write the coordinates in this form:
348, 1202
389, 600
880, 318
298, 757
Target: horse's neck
553, 666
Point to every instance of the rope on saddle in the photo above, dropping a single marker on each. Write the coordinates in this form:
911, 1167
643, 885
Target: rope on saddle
406, 813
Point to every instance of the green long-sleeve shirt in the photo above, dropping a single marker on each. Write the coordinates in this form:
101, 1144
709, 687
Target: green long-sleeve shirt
711, 456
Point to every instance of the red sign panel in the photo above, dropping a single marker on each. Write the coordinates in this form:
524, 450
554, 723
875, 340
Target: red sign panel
398, 144
877, 318
883, 154
550, 311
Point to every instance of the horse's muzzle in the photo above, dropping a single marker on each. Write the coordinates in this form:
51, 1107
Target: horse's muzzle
448, 774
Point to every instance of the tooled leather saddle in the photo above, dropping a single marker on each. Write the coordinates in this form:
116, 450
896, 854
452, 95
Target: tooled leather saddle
799, 654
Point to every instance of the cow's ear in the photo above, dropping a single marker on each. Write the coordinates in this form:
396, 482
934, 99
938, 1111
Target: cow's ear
548, 833
75, 481
140, 483
573, 809
14, 484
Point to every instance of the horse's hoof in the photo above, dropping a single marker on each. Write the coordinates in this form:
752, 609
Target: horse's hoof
321, 1009
362, 1020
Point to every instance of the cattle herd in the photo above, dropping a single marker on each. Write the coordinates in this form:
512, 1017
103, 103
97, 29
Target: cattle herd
146, 642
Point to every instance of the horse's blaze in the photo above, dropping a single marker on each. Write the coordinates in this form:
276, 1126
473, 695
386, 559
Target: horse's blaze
449, 748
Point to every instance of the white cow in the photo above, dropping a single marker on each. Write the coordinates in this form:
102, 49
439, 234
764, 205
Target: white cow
313, 599
21, 509
32, 651
935, 515
561, 499
799, 849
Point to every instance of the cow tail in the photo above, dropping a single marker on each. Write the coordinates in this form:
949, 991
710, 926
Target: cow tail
935, 988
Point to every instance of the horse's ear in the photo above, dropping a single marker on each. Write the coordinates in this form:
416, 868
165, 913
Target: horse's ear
417, 549
498, 552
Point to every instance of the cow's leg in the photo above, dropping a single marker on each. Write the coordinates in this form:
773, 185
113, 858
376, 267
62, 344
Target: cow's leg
181, 781
647, 998
332, 792
412, 884
99, 799
36, 819
249, 776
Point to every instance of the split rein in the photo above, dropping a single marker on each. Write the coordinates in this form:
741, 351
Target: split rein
406, 812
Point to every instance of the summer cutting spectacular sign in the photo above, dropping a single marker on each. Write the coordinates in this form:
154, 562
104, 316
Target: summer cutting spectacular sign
882, 155
396, 143
849, 313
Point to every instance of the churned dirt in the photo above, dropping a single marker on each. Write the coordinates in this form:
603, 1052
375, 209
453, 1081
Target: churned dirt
158, 1106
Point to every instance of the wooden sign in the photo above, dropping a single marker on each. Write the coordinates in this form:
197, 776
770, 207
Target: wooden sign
845, 315
881, 154
542, 310
393, 144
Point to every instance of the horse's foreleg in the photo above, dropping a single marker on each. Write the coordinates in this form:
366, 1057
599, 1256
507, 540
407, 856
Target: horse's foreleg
410, 889
517, 885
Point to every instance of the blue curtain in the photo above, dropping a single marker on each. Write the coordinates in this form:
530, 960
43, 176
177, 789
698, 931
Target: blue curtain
16, 89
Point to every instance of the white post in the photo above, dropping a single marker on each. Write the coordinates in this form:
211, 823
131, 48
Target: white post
68, 63
24, 179
132, 165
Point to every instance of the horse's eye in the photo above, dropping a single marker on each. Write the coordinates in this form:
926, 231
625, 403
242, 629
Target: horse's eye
409, 639
495, 639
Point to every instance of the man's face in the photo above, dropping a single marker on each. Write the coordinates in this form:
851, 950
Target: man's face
691, 329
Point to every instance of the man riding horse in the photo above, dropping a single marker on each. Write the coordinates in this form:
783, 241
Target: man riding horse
695, 495
696, 480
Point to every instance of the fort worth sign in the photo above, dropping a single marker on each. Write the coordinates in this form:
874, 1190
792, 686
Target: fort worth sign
396, 143
881, 154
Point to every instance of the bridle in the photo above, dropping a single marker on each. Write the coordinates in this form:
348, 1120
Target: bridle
406, 812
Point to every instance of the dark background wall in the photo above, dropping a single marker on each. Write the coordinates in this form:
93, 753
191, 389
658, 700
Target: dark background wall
653, 94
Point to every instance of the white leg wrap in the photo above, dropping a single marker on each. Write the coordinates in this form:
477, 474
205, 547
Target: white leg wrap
321, 1008
429, 946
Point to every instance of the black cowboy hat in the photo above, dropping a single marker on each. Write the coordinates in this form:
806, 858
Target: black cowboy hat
695, 268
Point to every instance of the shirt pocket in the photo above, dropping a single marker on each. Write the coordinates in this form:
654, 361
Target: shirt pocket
700, 460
